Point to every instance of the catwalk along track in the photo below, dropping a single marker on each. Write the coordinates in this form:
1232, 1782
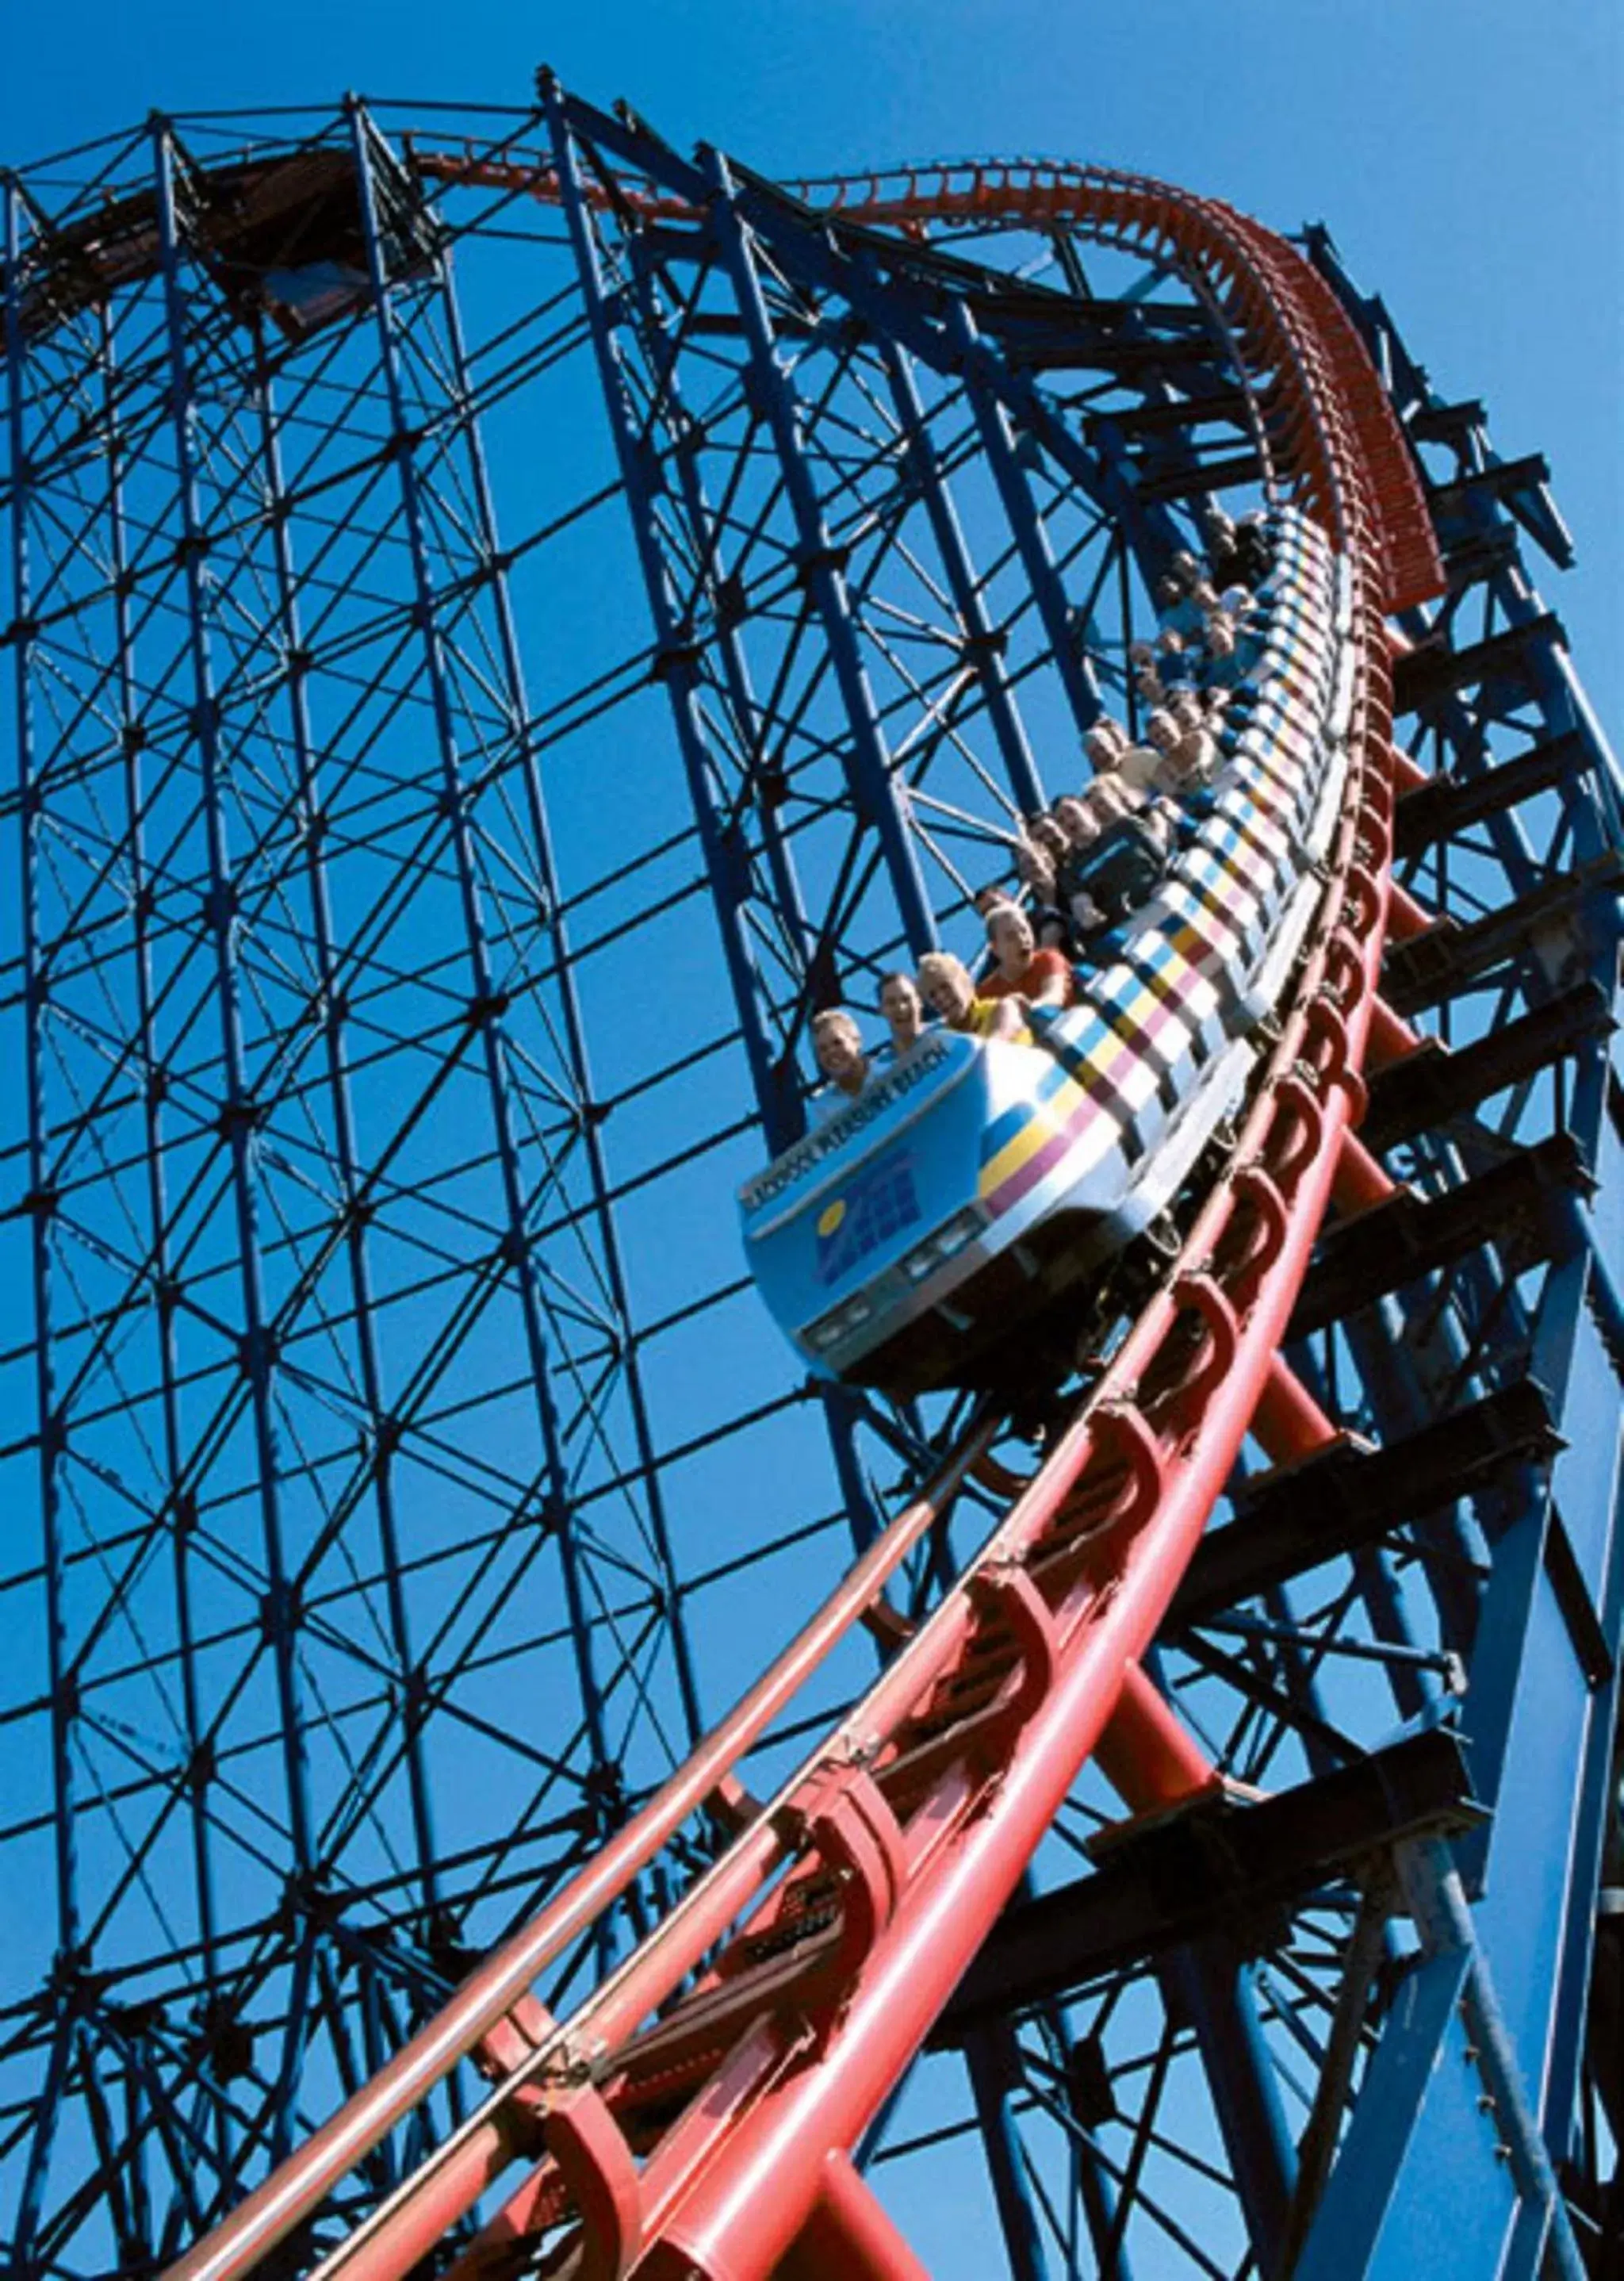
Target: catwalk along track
707, 2108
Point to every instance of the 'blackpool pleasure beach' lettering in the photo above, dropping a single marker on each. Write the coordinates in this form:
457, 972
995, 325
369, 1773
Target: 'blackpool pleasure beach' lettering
874, 1100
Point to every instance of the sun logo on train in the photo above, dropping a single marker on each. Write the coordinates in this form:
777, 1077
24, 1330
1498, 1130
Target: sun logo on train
878, 1205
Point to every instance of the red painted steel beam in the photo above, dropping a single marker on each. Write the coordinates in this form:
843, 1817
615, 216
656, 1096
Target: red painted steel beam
299, 2185
914, 1821
1361, 1181
849, 2236
1408, 774
1391, 1038
1147, 1753
727, 2223
709, 2203
1406, 917
740, 2216
1287, 1421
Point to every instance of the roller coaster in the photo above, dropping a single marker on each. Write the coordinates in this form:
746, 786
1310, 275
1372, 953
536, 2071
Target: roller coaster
1194, 1783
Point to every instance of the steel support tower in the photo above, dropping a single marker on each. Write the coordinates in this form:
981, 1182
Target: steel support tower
503, 620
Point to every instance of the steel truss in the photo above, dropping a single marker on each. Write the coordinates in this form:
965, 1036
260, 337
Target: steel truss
390, 1546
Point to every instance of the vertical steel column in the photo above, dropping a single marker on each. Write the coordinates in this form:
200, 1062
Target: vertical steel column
484, 1013
1549, 1700
1461, 2082
777, 1097
50, 1430
41, 1204
984, 643
1214, 1989
782, 1115
1442, 2120
729, 646
1563, 705
312, 823
994, 2065
877, 790
1587, 1493
281, 1614
1065, 637
574, 1033
180, 1504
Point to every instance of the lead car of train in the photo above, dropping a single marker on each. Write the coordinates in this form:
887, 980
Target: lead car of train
903, 1243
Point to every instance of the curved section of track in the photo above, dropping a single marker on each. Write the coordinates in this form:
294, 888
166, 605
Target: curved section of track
694, 2116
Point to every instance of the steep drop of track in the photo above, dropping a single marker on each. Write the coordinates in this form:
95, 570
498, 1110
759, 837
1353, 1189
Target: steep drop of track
708, 2132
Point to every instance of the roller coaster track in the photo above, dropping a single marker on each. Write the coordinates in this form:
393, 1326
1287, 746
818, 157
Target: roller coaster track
696, 2115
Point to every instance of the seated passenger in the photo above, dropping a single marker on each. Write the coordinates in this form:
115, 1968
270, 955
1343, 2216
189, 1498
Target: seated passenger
1223, 558
1147, 677
946, 989
1226, 664
1124, 865
1078, 816
1105, 744
1200, 713
1165, 824
986, 899
901, 1011
1076, 820
1181, 658
1037, 978
1140, 764
1188, 756
1043, 832
1240, 706
1035, 868
1108, 795
1116, 795
1100, 749
837, 1043
1081, 821
1216, 701
1254, 549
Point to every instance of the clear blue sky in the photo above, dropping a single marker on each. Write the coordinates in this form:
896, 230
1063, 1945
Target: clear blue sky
1467, 154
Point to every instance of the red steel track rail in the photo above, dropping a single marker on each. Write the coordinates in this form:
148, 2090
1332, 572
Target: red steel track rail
711, 2136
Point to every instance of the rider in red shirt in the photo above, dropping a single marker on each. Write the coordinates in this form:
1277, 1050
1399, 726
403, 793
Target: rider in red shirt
1042, 978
